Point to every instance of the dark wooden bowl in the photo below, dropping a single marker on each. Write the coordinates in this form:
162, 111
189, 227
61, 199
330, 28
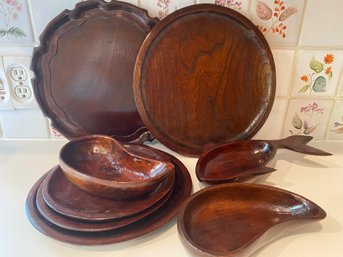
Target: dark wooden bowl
103, 167
236, 219
240, 160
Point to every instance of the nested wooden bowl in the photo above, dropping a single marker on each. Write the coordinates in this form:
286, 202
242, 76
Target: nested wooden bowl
103, 167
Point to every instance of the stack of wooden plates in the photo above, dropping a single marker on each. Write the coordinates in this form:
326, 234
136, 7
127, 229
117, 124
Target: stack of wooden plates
59, 209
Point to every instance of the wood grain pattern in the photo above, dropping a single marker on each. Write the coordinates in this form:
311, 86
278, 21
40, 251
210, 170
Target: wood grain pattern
84, 68
88, 226
236, 219
67, 199
240, 160
101, 166
181, 191
204, 75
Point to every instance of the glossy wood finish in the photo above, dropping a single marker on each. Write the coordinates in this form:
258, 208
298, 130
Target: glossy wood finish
84, 68
67, 199
228, 219
205, 74
101, 166
238, 161
181, 191
88, 226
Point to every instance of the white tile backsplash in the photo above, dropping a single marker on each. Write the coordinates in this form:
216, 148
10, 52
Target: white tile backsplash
284, 62
297, 31
323, 23
274, 121
23, 124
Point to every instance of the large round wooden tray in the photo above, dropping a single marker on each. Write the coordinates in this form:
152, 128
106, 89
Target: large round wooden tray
205, 74
84, 70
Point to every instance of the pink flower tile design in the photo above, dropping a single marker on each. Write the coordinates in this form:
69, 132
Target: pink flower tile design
307, 117
279, 20
15, 23
241, 6
233, 4
317, 73
161, 8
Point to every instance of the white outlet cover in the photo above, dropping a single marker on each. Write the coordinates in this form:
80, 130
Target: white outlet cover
11, 62
5, 96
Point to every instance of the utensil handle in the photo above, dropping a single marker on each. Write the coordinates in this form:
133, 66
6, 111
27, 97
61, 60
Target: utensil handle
298, 143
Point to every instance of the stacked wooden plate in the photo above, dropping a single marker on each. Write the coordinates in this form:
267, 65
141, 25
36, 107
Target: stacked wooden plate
59, 209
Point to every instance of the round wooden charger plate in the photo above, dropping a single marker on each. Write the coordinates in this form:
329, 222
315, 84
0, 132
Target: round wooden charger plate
181, 191
89, 226
204, 75
65, 198
84, 68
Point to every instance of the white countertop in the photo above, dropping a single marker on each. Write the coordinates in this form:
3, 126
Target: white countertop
318, 178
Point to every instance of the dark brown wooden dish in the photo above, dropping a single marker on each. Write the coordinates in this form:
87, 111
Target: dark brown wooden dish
84, 67
101, 166
213, 82
88, 226
236, 219
67, 199
238, 161
181, 191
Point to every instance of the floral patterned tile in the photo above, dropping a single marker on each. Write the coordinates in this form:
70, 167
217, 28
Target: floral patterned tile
161, 8
336, 124
272, 128
279, 20
284, 63
317, 72
15, 22
307, 117
241, 6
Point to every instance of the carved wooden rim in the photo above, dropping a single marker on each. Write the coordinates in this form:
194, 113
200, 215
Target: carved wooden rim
49, 41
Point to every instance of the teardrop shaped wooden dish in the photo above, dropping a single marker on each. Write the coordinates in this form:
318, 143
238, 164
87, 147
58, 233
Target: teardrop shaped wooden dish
67, 199
103, 167
236, 219
204, 74
84, 68
240, 160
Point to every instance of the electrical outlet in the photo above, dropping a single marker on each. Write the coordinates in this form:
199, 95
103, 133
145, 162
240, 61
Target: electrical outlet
18, 73
19, 78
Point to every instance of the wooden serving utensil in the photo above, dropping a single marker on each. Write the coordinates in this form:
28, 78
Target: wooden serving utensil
241, 160
236, 219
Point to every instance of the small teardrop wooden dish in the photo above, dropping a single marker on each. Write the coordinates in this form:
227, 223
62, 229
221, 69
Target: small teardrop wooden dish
240, 160
101, 166
236, 219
